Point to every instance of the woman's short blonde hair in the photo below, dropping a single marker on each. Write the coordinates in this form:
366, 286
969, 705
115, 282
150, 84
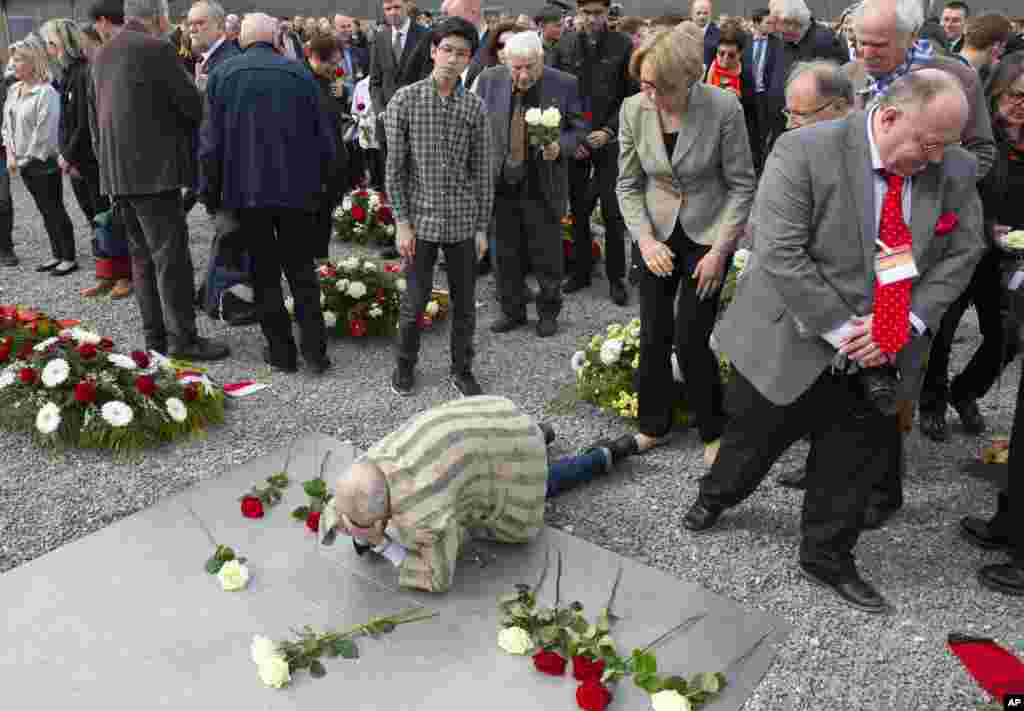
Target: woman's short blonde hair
676, 56
36, 58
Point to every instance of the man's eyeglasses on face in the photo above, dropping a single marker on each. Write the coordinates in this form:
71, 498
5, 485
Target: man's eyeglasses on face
448, 50
727, 54
798, 116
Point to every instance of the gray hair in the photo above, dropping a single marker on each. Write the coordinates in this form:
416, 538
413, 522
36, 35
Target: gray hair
909, 13
832, 82
525, 45
793, 10
146, 9
920, 88
214, 11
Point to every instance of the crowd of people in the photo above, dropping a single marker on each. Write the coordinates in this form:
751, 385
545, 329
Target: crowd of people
869, 165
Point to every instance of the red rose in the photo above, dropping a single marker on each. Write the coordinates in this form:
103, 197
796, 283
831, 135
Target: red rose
191, 392
87, 351
357, 327
27, 376
85, 392
587, 669
588, 116
551, 663
593, 696
384, 214
313, 521
358, 213
947, 223
339, 73
360, 106
145, 385
107, 344
393, 268
252, 507
141, 359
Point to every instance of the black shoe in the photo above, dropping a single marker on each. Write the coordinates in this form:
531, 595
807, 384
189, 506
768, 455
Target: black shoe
48, 266
618, 293
286, 367
548, 430
506, 323
483, 267
200, 349
793, 479
875, 516
970, 416
547, 327
933, 426
403, 379
573, 284
621, 448
701, 516
64, 271
1007, 578
466, 384
982, 534
8, 259
852, 588
320, 365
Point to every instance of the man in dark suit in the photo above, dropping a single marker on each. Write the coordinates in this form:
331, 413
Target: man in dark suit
531, 182
354, 60
210, 44
147, 112
390, 57
700, 13
830, 193
257, 161
759, 58
599, 59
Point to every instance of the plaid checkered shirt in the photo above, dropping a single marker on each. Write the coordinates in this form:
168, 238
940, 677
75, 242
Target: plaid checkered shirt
439, 162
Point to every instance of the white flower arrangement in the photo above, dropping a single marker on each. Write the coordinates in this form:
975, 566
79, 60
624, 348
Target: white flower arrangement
121, 361
369, 267
48, 418
233, 576
41, 347
342, 285
117, 413
534, 117
330, 319
176, 409
401, 284
7, 379
357, 290
515, 640
376, 311
611, 349
82, 336
551, 118
350, 264
56, 372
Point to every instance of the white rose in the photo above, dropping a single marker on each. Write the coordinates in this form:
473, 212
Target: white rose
233, 576
82, 336
55, 372
48, 418
551, 118
274, 672
40, 347
357, 290
117, 414
121, 361
369, 267
610, 351
263, 648
670, 700
289, 305
176, 409
342, 285
515, 640
400, 284
579, 359
330, 319
533, 116
6, 378
432, 308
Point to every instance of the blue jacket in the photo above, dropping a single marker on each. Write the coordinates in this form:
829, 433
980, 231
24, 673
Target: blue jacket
228, 49
266, 142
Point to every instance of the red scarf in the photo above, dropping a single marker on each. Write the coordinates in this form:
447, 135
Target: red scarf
724, 79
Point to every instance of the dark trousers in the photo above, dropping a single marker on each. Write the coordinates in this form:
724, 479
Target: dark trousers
323, 227
1011, 502
270, 235
460, 258
583, 193
161, 267
528, 236
87, 191
985, 292
845, 428
375, 159
47, 190
6, 212
671, 314
569, 472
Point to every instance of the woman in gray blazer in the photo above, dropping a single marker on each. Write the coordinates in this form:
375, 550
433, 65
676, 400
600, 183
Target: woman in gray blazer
686, 185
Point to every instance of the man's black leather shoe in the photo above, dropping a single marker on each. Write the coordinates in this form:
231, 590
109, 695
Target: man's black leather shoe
465, 383
506, 323
933, 426
875, 516
621, 448
1007, 578
573, 284
548, 431
284, 367
618, 293
851, 588
547, 327
200, 349
403, 379
970, 416
701, 516
982, 534
319, 366
793, 479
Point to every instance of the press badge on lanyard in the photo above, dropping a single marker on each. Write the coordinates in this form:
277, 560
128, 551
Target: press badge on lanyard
895, 264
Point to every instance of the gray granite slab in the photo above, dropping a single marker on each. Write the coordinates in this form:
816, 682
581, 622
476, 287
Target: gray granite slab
127, 618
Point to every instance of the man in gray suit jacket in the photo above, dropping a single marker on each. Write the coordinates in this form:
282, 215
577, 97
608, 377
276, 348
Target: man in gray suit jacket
812, 289
531, 189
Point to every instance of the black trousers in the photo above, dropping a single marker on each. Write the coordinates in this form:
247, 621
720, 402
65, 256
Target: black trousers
270, 237
529, 236
848, 435
6, 211
583, 194
985, 292
87, 191
671, 314
1011, 502
375, 159
47, 190
322, 224
460, 258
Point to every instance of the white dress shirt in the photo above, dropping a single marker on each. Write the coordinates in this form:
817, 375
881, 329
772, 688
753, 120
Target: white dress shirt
403, 33
32, 123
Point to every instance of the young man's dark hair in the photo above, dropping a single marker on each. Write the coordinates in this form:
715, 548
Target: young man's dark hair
323, 47
113, 10
759, 14
732, 34
456, 26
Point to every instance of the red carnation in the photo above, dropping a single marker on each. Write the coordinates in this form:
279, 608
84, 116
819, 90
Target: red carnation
947, 223
313, 521
360, 107
588, 116
339, 73
145, 385
27, 376
593, 696
85, 392
358, 213
191, 392
384, 215
551, 663
393, 268
87, 351
141, 359
357, 327
587, 669
107, 344
252, 507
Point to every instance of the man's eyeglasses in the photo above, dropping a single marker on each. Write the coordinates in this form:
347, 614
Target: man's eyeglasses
447, 50
804, 115
727, 54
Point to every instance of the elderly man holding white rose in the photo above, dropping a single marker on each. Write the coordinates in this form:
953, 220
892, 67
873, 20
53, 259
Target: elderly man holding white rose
537, 122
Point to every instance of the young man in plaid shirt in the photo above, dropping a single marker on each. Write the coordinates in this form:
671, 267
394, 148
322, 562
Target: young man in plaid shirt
441, 188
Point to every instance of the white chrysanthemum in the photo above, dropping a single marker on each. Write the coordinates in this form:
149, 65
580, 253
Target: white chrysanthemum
670, 700
433, 308
533, 116
357, 290
40, 347
48, 418
551, 118
579, 359
117, 414
369, 267
342, 285
55, 372
7, 378
400, 284
515, 640
376, 311
263, 648
330, 319
121, 361
82, 336
610, 351
176, 409
289, 305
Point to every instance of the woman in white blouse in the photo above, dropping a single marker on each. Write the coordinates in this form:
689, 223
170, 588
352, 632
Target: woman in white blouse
30, 131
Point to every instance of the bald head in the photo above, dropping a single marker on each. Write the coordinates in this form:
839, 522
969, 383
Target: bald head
257, 27
361, 494
468, 10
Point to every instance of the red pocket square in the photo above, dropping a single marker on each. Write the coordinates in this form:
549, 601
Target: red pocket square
947, 223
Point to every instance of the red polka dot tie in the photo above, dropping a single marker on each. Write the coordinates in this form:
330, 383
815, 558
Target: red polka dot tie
891, 323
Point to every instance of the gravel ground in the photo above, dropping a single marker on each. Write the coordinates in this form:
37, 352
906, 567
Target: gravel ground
836, 658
